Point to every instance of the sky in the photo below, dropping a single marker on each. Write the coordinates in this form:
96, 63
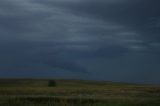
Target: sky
112, 40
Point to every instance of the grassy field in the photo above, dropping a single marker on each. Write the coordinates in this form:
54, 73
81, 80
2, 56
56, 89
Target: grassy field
76, 93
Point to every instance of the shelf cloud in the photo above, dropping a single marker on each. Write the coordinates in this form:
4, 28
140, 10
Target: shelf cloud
92, 39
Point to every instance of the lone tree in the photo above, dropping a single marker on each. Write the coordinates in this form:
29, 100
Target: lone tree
51, 83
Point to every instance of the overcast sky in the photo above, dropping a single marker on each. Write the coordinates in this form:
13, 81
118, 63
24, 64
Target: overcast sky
117, 40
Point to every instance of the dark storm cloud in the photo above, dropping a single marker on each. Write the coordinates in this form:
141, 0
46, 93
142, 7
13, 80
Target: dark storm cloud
137, 15
65, 34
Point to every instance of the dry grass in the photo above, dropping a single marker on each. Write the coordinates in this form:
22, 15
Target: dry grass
76, 90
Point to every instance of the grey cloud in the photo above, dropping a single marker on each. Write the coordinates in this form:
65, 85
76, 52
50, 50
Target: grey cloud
64, 34
132, 14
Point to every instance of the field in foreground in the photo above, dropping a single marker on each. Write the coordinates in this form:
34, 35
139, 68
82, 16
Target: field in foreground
76, 93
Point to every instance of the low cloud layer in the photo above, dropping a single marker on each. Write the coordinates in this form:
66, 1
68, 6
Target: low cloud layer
91, 39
